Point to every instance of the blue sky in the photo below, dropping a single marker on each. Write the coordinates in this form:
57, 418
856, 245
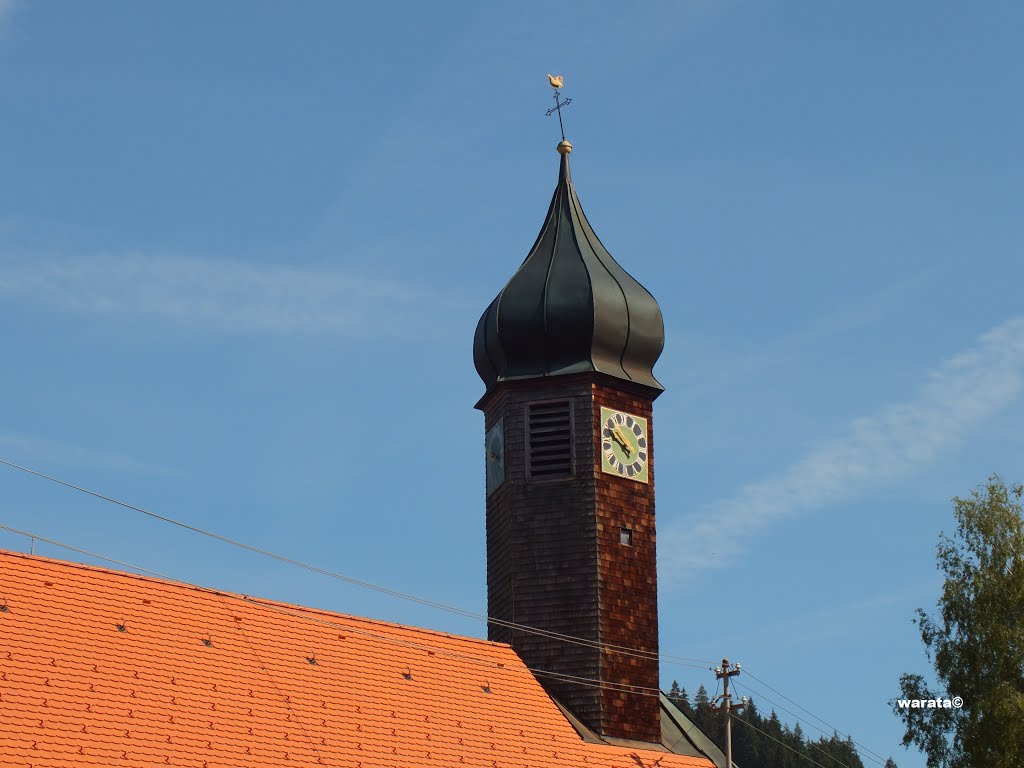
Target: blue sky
244, 246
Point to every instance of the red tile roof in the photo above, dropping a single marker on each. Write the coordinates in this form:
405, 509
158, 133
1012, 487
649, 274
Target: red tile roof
99, 667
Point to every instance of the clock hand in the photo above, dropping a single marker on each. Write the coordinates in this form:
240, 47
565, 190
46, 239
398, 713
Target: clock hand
617, 436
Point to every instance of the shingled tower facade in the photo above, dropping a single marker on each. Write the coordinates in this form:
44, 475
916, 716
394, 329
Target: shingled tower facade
566, 351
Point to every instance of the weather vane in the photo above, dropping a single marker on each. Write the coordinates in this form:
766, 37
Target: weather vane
556, 83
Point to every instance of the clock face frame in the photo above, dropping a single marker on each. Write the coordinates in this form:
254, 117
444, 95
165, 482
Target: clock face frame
494, 445
625, 446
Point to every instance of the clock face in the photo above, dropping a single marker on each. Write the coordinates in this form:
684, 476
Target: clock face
624, 445
494, 444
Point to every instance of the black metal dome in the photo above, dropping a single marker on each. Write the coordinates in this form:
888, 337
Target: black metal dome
570, 307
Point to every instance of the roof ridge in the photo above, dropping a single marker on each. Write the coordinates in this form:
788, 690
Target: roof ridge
253, 599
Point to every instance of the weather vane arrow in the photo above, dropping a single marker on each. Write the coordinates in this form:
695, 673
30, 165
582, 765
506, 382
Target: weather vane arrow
556, 82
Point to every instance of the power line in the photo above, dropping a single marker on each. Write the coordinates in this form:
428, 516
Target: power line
286, 700
780, 743
623, 650
298, 614
570, 679
810, 745
875, 757
139, 568
796, 717
727, 707
346, 627
587, 682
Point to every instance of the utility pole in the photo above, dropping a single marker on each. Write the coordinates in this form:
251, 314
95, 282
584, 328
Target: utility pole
723, 673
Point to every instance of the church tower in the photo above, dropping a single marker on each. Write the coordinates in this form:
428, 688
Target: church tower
566, 351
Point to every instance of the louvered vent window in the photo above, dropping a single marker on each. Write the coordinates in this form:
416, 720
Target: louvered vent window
550, 442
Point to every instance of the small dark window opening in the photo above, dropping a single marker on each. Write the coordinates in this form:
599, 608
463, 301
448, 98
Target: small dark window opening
549, 444
626, 537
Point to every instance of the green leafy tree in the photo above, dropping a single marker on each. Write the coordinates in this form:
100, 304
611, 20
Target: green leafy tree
975, 642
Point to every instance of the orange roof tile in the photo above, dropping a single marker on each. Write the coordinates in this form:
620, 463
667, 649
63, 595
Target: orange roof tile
103, 668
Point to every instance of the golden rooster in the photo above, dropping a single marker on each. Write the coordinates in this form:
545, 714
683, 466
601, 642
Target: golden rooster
556, 81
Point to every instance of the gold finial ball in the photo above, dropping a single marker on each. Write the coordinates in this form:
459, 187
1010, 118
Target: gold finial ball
564, 147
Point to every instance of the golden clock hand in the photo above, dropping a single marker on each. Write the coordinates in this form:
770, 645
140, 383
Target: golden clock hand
621, 441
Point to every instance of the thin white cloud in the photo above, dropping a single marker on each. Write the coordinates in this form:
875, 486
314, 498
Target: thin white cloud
7, 11
835, 623
215, 295
723, 368
963, 391
40, 453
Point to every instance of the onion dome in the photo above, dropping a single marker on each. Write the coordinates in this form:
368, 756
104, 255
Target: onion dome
570, 308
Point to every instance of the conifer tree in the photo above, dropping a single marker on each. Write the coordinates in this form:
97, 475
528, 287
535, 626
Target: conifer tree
766, 742
702, 695
677, 695
684, 700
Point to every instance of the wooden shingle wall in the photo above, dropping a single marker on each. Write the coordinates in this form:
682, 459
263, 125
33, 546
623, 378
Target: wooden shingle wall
556, 563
